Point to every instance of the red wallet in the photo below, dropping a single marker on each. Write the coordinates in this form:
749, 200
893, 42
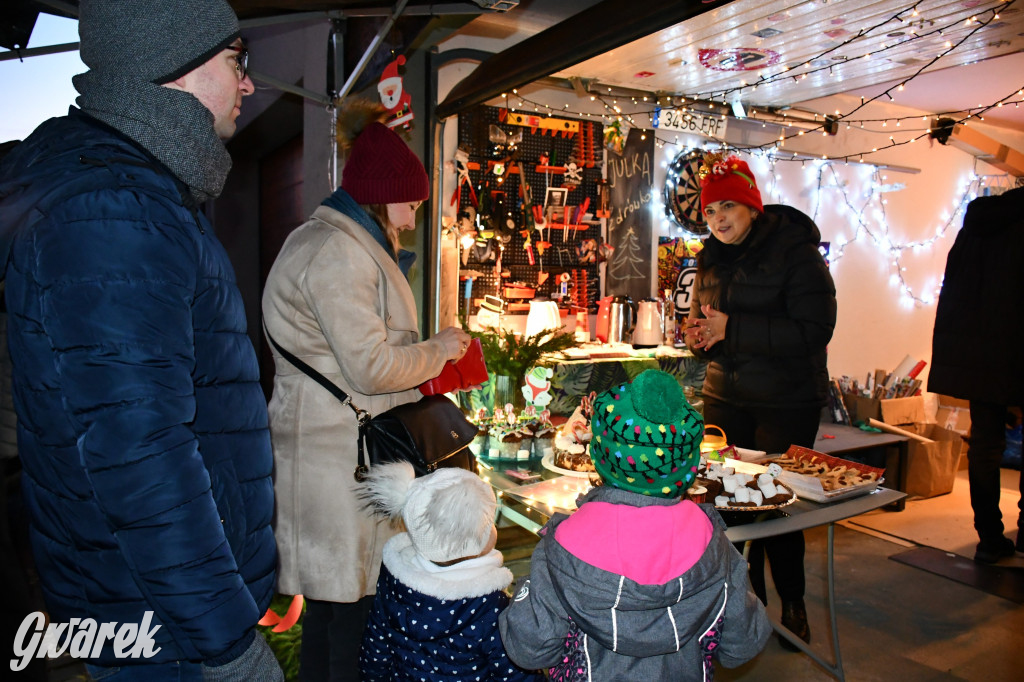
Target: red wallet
470, 370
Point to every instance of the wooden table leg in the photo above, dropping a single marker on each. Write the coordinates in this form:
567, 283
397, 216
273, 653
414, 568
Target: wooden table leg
902, 465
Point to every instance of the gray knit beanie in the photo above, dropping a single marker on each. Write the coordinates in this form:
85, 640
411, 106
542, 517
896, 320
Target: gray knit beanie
154, 41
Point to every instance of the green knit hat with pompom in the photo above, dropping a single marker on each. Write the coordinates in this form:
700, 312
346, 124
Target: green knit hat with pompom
646, 436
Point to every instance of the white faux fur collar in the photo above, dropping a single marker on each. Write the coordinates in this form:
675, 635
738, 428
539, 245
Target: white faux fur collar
464, 580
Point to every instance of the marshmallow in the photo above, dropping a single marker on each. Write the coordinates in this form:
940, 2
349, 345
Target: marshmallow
768, 489
756, 497
764, 479
774, 470
729, 484
743, 494
722, 501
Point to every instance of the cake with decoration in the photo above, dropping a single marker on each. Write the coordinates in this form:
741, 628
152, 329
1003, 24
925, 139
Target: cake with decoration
570, 449
482, 420
730, 488
504, 441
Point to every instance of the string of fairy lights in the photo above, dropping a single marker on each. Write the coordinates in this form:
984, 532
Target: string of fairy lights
703, 104
868, 221
972, 21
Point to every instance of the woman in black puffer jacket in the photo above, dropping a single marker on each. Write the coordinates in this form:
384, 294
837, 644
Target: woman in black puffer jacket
762, 314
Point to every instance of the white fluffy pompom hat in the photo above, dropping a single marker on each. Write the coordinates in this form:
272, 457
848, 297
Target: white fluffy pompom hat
448, 514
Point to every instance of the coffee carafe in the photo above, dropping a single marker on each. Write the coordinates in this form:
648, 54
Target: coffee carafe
649, 331
621, 319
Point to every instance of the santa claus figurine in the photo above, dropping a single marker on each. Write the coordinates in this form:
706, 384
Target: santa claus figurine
394, 97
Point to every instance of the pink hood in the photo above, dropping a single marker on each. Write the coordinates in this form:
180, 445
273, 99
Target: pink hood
649, 545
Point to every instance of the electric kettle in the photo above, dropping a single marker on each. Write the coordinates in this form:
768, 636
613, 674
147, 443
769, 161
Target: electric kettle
649, 331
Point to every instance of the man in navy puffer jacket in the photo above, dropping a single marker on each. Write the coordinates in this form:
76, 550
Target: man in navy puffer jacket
141, 423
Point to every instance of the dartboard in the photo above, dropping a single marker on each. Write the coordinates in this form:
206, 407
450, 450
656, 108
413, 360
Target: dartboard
682, 193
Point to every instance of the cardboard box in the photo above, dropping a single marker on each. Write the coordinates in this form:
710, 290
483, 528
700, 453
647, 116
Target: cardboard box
891, 411
954, 414
932, 467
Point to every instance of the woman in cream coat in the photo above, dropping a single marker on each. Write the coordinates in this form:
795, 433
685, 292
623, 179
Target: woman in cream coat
337, 298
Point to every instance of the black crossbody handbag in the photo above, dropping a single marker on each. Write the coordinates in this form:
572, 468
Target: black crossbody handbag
429, 433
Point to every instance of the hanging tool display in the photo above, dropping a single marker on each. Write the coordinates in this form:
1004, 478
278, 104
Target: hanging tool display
462, 179
523, 181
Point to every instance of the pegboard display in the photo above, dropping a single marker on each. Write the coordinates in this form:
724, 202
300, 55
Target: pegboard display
496, 206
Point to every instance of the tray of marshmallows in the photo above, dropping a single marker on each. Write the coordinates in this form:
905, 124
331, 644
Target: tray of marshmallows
741, 486
822, 478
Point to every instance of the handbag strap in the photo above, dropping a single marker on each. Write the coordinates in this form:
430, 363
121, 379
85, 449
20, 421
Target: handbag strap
362, 416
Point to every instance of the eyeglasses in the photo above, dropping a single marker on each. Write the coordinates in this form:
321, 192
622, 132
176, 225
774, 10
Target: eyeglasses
241, 61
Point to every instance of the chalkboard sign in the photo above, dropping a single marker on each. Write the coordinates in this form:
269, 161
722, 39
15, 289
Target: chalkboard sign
631, 182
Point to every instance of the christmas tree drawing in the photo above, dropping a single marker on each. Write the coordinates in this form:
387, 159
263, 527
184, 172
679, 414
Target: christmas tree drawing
626, 259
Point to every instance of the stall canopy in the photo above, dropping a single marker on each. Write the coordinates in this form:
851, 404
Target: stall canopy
603, 27
932, 55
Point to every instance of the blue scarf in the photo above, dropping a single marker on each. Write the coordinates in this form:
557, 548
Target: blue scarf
342, 202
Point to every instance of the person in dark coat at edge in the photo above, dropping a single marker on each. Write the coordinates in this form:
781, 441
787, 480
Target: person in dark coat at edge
142, 427
976, 351
17, 573
762, 314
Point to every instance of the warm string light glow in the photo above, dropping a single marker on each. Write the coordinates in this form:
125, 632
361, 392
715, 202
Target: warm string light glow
866, 221
708, 107
870, 222
785, 73
616, 113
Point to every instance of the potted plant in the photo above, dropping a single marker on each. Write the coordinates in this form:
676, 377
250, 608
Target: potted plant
509, 356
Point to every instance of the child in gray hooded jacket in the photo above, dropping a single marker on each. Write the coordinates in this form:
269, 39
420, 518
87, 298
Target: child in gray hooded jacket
638, 583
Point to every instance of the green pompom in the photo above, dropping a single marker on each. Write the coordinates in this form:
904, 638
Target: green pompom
658, 397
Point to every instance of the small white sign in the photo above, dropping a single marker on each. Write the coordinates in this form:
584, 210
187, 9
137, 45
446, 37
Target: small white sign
690, 122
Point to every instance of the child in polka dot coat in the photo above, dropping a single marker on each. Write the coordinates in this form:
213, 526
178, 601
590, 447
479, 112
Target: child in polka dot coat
435, 616
638, 584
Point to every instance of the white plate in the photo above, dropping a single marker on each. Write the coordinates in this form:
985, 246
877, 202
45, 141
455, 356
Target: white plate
805, 489
548, 462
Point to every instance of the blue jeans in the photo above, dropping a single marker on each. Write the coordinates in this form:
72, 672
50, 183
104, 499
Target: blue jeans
174, 671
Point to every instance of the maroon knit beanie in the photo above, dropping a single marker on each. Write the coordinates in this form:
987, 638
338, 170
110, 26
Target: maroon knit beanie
729, 180
381, 169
